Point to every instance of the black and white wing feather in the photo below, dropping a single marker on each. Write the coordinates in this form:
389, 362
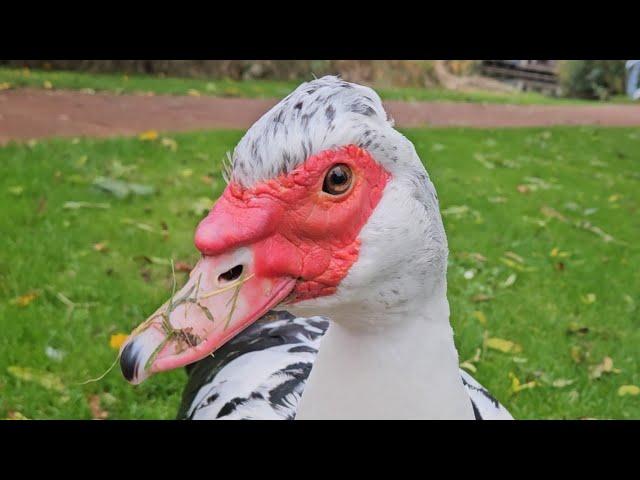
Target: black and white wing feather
485, 406
261, 374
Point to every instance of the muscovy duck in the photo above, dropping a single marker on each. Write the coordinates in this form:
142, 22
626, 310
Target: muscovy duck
328, 211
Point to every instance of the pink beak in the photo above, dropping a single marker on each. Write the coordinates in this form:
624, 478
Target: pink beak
224, 294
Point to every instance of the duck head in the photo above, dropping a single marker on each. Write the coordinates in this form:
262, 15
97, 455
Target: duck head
328, 210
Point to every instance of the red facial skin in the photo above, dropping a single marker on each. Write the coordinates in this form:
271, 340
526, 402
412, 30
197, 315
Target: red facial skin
295, 228
303, 242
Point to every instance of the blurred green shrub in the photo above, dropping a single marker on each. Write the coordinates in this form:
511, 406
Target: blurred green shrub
592, 78
413, 73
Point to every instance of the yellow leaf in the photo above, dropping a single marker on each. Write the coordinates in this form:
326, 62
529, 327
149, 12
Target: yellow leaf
47, 84
606, 366
192, 92
481, 317
615, 197
170, 143
149, 135
629, 390
502, 345
24, 300
469, 366
554, 252
5, 86
516, 386
44, 379
15, 415
589, 298
117, 339
577, 354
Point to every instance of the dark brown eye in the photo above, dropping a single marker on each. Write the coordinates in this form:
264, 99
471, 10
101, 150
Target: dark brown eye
338, 180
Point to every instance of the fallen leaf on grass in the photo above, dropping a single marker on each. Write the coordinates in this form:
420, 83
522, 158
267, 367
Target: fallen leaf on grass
589, 298
192, 92
632, 390
562, 382
47, 85
574, 328
97, 412
577, 354
44, 379
588, 226
516, 266
517, 386
122, 189
16, 190
78, 205
461, 211
24, 300
148, 136
511, 279
54, 354
170, 143
117, 339
502, 345
101, 247
15, 415
514, 256
481, 297
153, 260
142, 226
201, 206
551, 213
183, 267
606, 366
481, 317
523, 189
5, 86
469, 366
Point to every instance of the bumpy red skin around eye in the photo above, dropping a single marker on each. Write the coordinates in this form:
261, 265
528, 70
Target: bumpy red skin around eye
294, 228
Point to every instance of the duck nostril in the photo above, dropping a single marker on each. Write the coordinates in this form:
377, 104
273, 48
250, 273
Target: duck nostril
231, 274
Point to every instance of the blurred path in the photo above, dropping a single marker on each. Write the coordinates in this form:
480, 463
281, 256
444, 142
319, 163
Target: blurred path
28, 113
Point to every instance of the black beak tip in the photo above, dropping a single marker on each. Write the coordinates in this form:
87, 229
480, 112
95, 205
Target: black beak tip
129, 361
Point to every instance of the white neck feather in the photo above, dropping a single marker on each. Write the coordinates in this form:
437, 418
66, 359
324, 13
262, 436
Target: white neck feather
404, 369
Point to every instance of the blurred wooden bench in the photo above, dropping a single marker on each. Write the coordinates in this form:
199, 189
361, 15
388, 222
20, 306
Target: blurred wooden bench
537, 75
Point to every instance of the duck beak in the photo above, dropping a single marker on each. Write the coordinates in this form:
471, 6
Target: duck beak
206, 313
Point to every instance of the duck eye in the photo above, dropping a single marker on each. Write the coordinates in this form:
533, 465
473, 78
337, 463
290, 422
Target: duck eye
338, 180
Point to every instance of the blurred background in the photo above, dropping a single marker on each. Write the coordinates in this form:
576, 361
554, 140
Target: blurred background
107, 166
590, 79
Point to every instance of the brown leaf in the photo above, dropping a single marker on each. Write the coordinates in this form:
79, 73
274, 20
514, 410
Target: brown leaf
574, 328
100, 247
15, 415
551, 213
481, 297
523, 189
97, 413
183, 267
24, 300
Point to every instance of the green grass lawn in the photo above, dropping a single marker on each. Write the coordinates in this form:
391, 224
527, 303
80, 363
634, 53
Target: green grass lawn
527, 213
144, 84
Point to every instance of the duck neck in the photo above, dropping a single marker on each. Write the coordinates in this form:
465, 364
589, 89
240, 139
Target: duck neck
404, 368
